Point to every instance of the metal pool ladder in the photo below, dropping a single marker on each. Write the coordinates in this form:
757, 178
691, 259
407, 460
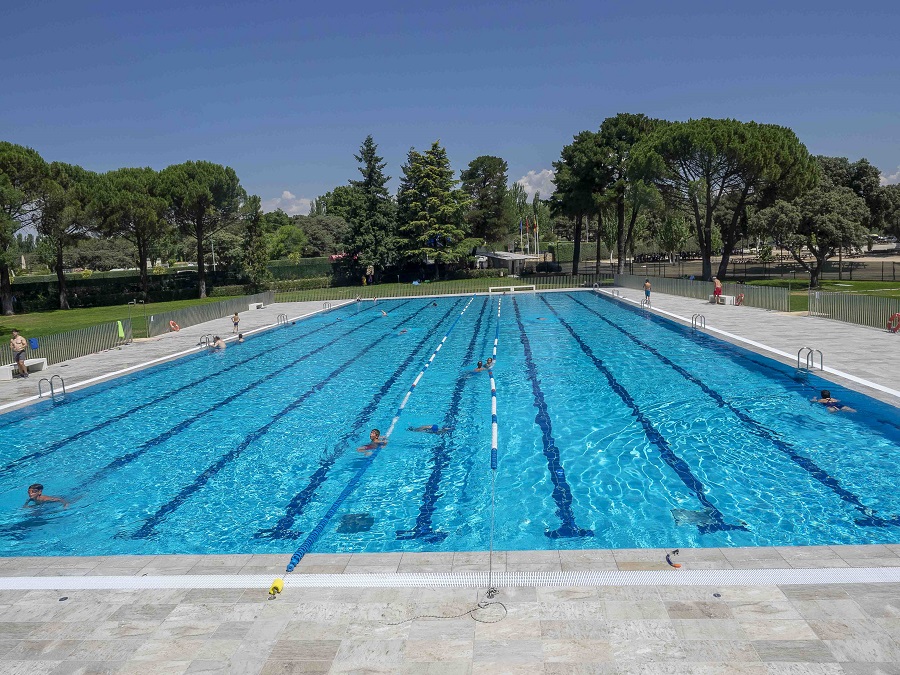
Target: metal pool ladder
206, 340
326, 305
56, 398
810, 355
645, 304
698, 321
282, 320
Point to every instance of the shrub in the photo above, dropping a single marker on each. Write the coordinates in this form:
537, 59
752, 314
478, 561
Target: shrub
477, 274
86, 274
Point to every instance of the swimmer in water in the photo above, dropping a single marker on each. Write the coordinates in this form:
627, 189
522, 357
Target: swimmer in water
430, 429
36, 495
375, 442
479, 367
833, 404
240, 338
383, 313
489, 363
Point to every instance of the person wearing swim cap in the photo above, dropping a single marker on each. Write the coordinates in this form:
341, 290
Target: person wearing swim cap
430, 429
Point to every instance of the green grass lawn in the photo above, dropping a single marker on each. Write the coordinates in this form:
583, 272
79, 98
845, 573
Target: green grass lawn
427, 288
800, 290
60, 321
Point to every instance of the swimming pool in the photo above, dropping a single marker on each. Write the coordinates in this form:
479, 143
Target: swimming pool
616, 429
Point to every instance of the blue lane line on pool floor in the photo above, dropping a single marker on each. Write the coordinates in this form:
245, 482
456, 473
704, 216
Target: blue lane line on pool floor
870, 516
441, 454
173, 504
352, 484
678, 465
282, 529
141, 449
562, 493
78, 397
56, 445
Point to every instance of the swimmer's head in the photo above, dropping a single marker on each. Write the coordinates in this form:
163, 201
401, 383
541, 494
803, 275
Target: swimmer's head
35, 489
826, 393
479, 364
434, 427
374, 434
240, 336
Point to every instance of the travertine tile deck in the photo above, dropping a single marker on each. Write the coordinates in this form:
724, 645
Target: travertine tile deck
828, 628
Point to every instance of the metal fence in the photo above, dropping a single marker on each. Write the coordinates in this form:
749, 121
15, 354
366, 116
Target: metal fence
865, 310
457, 287
158, 324
764, 297
74, 343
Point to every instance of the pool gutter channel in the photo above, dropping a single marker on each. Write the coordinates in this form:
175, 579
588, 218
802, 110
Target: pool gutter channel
590, 578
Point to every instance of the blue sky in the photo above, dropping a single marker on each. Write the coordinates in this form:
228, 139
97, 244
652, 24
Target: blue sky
285, 92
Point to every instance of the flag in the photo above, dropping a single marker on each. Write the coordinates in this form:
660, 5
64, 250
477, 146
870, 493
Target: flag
520, 226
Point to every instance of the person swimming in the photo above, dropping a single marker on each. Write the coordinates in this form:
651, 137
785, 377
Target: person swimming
36, 495
430, 429
375, 442
834, 405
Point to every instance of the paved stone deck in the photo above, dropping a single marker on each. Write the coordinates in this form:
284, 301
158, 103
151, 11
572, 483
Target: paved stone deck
824, 629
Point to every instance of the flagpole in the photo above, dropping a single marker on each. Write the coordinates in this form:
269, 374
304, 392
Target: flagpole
521, 241
537, 234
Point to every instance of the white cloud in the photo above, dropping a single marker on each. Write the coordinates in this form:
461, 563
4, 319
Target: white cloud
538, 181
891, 179
289, 203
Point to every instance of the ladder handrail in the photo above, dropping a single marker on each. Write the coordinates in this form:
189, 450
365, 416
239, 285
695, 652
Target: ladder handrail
698, 321
49, 382
810, 354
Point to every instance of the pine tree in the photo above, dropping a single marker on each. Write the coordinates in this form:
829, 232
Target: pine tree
432, 209
256, 256
373, 216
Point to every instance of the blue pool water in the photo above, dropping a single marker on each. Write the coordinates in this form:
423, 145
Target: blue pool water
616, 429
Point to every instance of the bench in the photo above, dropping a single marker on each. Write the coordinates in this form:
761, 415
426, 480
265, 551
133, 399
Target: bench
256, 305
726, 299
7, 371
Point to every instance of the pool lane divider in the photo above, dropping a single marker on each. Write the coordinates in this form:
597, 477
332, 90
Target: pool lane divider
122, 461
295, 508
870, 516
147, 529
717, 522
562, 493
56, 445
442, 452
494, 433
317, 531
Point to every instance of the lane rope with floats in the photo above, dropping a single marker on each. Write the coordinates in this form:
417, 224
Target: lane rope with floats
317, 531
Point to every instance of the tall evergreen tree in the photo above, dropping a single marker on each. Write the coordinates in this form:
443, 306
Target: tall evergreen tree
431, 209
580, 173
373, 215
255, 253
484, 182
